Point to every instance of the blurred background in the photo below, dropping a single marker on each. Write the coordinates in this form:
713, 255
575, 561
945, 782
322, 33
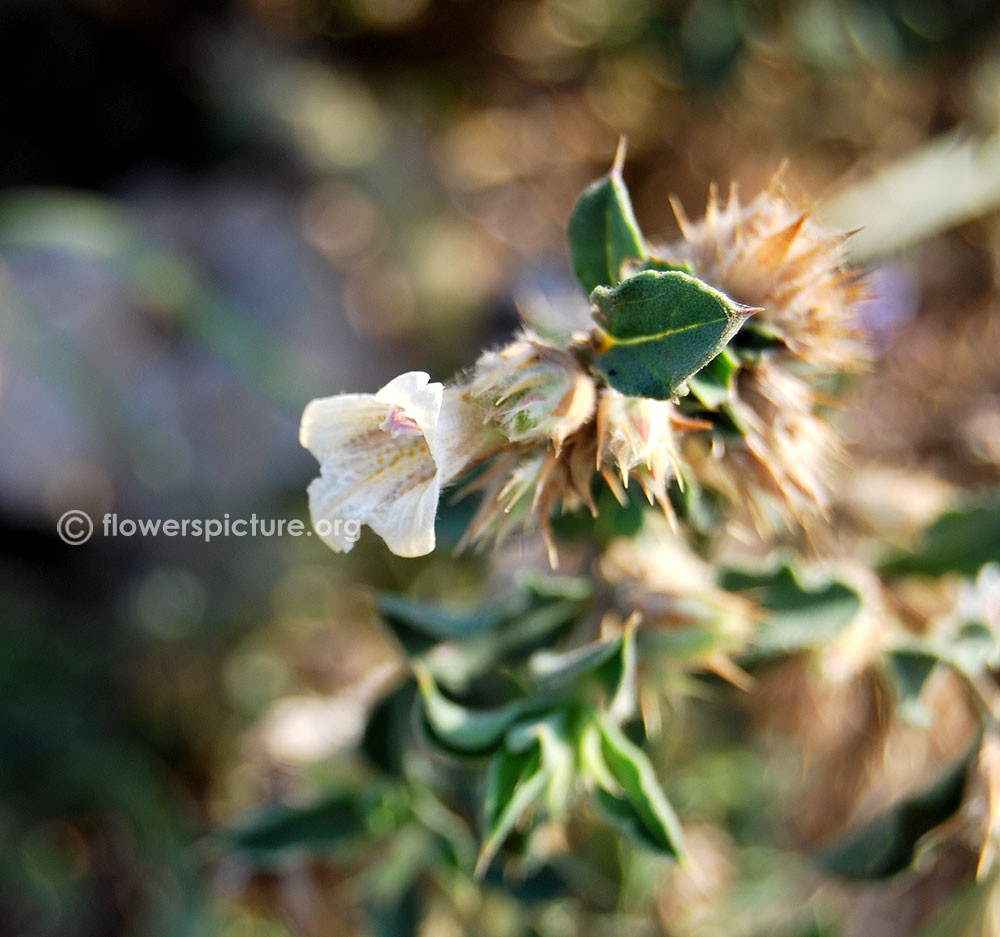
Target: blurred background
212, 212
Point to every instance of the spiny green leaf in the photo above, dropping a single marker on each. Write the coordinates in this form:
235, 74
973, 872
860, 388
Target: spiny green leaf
887, 844
328, 823
434, 621
603, 232
797, 617
555, 670
660, 329
909, 669
466, 730
559, 760
516, 780
641, 797
960, 541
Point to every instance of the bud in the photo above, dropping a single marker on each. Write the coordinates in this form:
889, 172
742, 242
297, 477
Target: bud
534, 392
636, 437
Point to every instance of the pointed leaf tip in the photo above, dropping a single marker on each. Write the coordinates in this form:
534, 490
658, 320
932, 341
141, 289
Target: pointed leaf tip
464, 730
602, 232
619, 162
639, 805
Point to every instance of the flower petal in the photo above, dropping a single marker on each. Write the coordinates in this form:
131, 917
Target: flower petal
390, 484
461, 438
327, 520
330, 423
417, 396
407, 525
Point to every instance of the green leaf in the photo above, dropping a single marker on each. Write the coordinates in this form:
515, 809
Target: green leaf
400, 918
625, 680
389, 729
556, 670
713, 385
465, 730
797, 617
974, 648
571, 588
909, 669
456, 839
559, 761
538, 625
602, 230
478, 637
661, 329
619, 812
419, 624
960, 541
658, 263
515, 781
887, 845
407, 853
685, 643
326, 824
593, 767
640, 806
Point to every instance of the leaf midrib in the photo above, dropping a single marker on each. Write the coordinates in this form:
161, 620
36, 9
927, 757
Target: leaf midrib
656, 336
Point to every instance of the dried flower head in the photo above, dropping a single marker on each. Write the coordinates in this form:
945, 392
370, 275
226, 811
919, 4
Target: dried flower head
629, 439
783, 451
772, 254
658, 575
770, 448
524, 487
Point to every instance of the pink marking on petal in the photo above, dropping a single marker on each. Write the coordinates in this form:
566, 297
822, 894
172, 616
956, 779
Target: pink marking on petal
397, 423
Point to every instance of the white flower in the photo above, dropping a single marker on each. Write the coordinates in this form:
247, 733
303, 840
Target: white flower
384, 458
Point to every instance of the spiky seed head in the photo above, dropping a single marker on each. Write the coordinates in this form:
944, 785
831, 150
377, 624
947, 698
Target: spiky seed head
533, 390
774, 255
